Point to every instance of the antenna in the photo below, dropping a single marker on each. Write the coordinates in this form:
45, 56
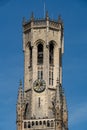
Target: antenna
44, 9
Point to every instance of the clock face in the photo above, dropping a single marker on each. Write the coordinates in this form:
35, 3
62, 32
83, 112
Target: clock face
39, 85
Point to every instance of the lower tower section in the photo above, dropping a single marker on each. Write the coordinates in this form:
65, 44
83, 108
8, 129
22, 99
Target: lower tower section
58, 120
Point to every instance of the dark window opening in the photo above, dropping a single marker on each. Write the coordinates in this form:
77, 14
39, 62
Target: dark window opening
39, 102
48, 124
40, 122
49, 81
25, 125
29, 125
32, 123
44, 122
51, 53
40, 74
30, 56
52, 78
40, 54
49, 77
36, 122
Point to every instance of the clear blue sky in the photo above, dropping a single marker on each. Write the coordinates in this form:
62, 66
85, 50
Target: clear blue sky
74, 15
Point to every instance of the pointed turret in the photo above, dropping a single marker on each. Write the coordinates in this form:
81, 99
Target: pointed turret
65, 111
19, 108
20, 94
24, 21
32, 17
60, 21
58, 106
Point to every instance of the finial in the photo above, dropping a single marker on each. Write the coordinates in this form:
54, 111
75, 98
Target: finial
59, 19
32, 16
47, 16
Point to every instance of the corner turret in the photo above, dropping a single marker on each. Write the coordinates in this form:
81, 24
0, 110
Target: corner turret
65, 111
58, 106
19, 109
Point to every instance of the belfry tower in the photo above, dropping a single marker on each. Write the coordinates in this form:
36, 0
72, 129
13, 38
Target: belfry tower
41, 103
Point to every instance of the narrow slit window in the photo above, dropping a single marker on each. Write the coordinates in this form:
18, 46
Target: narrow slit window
52, 78
49, 77
41, 74
39, 102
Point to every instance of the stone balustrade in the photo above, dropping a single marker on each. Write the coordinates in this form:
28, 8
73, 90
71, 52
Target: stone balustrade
38, 124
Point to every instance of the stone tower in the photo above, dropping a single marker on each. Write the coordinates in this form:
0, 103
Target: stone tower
41, 105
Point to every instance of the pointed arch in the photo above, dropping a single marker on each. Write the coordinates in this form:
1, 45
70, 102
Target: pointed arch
40, 49
54, 43
28, 44
39, 41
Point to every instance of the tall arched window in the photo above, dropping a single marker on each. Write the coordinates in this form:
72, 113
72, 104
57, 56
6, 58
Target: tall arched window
51, 53
51, 62
40, 54
30, 55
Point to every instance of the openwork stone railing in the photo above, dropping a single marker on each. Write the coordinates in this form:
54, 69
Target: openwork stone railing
39, 124
41, 23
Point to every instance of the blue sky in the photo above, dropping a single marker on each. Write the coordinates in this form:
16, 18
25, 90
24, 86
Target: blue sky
74, 15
